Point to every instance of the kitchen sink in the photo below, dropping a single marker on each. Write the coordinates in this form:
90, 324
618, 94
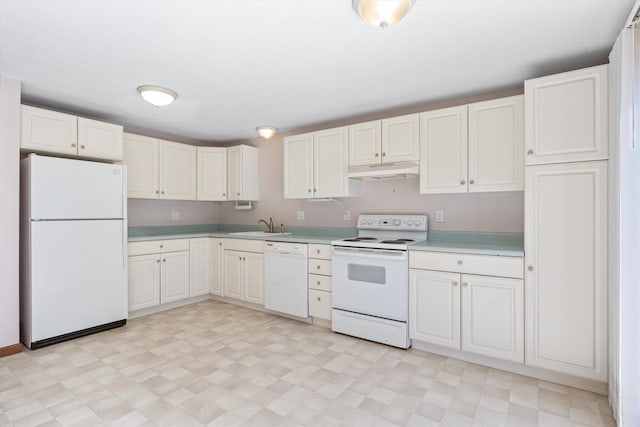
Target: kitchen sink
258, 233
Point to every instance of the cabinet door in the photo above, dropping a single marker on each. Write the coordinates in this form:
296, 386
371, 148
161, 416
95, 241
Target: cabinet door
365, 143
174, 277
199, 273
216, 261
48, 131
401, 139
566, 116
253, 270
141, 155
243, 172
99, 140
443, 151
232, 273
566, 274
212, 173
493, 317
496, 145
298, 166
234, 173
434, 307
330, 163
144, 281
177, 171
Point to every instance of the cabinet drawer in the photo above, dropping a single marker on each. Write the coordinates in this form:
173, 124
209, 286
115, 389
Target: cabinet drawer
320, 304
486, 265
319, 251
158, 246
321, 283
244, 245
320, 266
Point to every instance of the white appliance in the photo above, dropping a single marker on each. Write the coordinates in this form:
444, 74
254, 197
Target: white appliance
285, 278
73, 249
370, 273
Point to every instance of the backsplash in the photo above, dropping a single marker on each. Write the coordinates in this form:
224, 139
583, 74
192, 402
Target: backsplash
158, 212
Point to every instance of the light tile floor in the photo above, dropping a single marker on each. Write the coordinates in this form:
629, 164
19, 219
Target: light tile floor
213, 363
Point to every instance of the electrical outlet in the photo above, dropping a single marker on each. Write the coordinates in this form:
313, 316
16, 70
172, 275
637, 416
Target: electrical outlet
346, 215
175, 215
440, 215
300, 215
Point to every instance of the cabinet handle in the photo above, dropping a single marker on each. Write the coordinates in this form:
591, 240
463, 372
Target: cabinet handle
164, 260
73, 145
157, 191
318, 298
471, 181
161, 246
318, 282
530, 152
318, 267
309, 191
82, 146
240, 258
220, 244
224, 194
459, 262
318, 250
162, 192
377, 155
158, 261
314, 190
462, 182
530, 268
455, 283
238, 194
465, 284
244, 259
384, 154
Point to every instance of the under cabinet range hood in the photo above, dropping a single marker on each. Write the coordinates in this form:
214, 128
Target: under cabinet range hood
384, 171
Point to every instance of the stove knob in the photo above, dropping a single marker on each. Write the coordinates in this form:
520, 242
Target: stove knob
369, 222
396, 222
418, 223
410, 222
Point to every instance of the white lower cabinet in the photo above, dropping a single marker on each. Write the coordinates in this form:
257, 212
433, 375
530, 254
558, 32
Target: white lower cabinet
158, 272
216, 262
243, 270
319, 281
199, 269
474, 313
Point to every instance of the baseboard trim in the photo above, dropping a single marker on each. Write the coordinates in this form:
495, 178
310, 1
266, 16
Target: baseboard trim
10, 349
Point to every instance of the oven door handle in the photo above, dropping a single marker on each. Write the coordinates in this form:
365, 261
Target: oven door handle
370, 253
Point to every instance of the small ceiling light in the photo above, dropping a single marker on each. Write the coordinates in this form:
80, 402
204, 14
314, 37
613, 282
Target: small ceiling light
382, 13
156, 95
266, 131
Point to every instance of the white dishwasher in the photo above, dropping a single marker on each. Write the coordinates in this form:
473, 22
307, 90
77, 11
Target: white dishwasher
285, 278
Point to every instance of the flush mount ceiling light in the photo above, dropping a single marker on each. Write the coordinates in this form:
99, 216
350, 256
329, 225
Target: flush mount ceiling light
266, 131
156, 95
382, 13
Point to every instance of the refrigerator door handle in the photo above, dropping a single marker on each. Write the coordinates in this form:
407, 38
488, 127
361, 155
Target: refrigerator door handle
124, 244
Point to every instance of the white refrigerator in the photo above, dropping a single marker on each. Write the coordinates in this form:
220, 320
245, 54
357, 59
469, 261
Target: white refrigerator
73, 273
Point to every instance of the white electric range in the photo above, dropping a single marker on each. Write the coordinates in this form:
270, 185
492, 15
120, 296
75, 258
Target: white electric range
370, 283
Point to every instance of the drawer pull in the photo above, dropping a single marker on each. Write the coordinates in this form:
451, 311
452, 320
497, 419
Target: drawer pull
318, 282
318, 298
530, 152
318, 250
455, 283
465, 284
459, 262
530, 268
161, 246
318, 267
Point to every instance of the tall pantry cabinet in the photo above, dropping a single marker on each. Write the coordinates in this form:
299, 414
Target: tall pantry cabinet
566, 222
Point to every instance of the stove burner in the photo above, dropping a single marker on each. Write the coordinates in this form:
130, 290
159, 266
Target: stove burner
359, 239
397, 241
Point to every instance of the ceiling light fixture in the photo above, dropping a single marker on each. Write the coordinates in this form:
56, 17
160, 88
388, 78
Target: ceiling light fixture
382, 13
156, 95
266, 131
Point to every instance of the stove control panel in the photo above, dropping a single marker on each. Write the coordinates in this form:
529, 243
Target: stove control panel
393, 222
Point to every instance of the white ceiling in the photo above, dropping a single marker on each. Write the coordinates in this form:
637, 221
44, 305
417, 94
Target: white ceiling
238, 64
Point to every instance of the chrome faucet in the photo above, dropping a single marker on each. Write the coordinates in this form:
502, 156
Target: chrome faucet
268, 224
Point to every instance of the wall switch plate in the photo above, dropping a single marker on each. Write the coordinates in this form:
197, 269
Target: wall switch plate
175, 215
300, 215
346, 215
440, 215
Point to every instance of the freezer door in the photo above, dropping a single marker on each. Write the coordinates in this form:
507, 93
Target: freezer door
75, 189
78, 276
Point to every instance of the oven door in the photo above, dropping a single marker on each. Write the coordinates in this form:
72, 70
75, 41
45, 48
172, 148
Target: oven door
371, 281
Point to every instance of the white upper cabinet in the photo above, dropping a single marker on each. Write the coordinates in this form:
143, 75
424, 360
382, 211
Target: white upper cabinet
212, 173
242, 172
365, 143
298, 166
141, 155
177, 171
384, 141
330, 153
401, 139
315, 165
566, 116
566, 268
159, 169
59, 133
496, 145
443, 151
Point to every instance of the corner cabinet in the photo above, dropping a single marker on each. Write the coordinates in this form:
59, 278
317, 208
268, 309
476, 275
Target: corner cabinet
46, 131
468, 302
159, 169
566, 267
315, 165
242, 173
566, 116
212, 173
